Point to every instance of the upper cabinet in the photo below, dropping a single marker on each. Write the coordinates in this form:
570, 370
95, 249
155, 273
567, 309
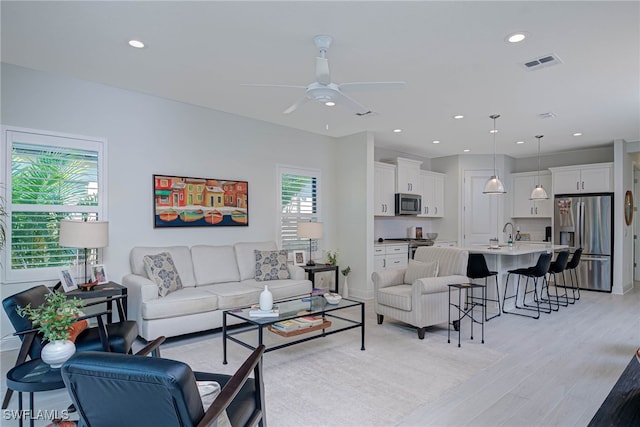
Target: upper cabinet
432, 184
594, 178
384, 189
408, 179
523, 184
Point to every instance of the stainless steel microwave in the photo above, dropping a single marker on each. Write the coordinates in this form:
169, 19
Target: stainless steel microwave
408, 204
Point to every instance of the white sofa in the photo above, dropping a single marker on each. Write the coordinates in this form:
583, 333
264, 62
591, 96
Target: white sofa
425, 301
214, 279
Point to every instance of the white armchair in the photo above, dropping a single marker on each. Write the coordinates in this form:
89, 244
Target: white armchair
418, 295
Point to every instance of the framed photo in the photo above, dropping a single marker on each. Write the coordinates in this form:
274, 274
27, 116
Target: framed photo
299, 258
180, 201
67, 280
99, 274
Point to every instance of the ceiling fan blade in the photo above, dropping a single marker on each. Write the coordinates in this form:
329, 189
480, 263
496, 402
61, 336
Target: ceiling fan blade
364, 86
342, 99
323, 74
296, 105
270, 85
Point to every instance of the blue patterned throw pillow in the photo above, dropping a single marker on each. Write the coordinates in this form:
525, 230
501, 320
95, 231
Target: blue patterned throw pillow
161, 269
271, 265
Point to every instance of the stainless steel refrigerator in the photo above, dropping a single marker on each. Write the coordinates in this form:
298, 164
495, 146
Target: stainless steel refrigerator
586, 221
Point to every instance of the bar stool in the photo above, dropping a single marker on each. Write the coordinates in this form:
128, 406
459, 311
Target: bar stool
536, 272
572, 267
557, 267
477, 269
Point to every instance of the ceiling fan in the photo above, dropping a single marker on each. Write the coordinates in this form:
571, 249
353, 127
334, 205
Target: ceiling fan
323, 90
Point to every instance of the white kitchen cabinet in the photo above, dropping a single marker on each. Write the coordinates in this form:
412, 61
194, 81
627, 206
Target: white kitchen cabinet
432, 194
523, 184
408, 178
594, 178
445, 244
384, 189
387, 257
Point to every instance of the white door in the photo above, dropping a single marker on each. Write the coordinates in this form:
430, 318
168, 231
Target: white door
481, 217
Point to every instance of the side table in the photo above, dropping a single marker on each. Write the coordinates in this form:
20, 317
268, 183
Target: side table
30, 377
313, 269
106, 290
468, 310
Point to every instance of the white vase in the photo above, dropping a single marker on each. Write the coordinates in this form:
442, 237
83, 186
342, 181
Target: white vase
56, 353
266, 299
345, 288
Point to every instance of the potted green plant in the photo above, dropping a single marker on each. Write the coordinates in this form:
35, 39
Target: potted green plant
53, 319
345, 288
332, 258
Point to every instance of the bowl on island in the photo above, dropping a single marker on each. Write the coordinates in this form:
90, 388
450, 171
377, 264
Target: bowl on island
431, 236
332, 297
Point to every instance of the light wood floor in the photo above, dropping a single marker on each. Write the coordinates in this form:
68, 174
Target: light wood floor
555, 371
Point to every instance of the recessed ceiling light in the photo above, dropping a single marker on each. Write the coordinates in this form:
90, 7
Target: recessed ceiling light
466, 150
577, 134
397, 130
136, 43
436, 142
458, 116
516, 37
493, 131
519, 142
330, 104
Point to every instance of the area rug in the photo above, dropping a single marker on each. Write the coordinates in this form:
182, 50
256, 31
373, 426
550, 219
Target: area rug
331, 382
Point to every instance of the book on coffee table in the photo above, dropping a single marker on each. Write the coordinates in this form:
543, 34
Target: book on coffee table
256, 312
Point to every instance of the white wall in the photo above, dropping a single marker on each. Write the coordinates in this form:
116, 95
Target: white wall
147, 135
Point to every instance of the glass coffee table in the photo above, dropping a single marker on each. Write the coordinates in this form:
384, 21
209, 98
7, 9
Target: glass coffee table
335, 319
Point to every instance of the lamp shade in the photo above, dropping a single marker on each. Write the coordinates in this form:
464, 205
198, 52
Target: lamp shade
494, 186
539, 193
83, 234
310, 230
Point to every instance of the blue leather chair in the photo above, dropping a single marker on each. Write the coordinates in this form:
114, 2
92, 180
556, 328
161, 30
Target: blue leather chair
110, 389
117, 337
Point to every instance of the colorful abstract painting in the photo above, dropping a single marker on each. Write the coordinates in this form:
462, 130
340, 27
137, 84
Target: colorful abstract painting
199, 202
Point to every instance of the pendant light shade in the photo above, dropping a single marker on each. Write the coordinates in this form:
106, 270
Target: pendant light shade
494, 185
538, 192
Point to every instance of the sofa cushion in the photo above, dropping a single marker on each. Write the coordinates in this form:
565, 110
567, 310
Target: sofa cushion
214, 264
271, 265
186, 301
181, 258
246, 258
161, 269
283, 289
450, 260
417, 270
398, 296
234, 294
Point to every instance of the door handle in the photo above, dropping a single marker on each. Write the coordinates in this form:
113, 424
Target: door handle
595, 258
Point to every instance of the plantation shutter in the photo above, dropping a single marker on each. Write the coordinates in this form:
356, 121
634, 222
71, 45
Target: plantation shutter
299, 202
52, 178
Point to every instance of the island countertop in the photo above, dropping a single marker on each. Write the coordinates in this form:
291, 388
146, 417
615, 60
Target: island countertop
517, 248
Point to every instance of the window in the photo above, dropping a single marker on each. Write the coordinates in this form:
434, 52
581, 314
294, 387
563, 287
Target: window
299, 201
51, 178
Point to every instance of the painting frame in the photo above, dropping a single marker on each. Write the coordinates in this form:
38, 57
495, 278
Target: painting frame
184, 201
299, 257
67, 280
99, 274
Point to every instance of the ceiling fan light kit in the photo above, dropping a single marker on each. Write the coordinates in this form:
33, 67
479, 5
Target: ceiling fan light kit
324, 91
494, 185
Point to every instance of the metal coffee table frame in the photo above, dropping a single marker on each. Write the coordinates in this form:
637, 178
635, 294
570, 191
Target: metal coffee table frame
291, 309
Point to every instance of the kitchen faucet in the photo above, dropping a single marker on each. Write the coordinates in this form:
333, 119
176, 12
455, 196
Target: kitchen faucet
504, 230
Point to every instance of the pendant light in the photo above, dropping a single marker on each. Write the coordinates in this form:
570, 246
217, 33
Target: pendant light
494, 185
538, 192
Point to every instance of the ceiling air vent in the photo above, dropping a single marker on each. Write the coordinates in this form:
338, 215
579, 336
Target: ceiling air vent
547, 115
542, 62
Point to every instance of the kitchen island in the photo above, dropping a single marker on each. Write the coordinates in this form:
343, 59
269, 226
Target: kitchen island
505, 258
